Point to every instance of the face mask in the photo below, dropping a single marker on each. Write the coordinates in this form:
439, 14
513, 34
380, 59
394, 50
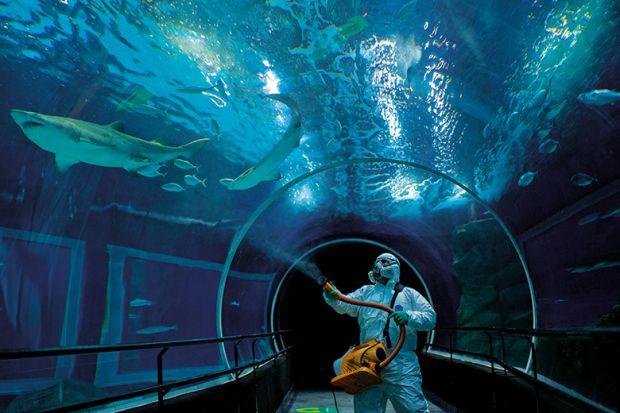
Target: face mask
385, 267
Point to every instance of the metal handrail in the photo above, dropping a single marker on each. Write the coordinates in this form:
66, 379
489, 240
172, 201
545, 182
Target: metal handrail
162, 388
528, 335
14, 354
540, 332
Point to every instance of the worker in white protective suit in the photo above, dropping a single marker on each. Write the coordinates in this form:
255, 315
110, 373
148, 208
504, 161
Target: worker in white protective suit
402, 380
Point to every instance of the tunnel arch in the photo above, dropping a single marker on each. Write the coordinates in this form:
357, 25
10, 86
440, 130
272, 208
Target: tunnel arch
275, 195
326, 244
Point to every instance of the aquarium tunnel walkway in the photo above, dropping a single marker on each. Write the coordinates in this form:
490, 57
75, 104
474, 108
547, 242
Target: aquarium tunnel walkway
268, 340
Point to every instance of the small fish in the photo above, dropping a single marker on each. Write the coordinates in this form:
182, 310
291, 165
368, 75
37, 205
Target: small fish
599, 97
598, 266
172, 187
151, 171
611, 214
543, 133
196, 90
527, 178
538, 99
555, 110
137, 95
589, 218
235, 303
140, 302
582, 179
156, 329
133, 316
183, 164
145, 109
215, 128
513, 120
486, 133
192, 180
548, 146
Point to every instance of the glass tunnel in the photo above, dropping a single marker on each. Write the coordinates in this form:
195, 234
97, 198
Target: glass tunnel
186, 170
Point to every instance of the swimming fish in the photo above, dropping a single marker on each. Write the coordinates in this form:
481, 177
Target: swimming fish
486, 132
183, 164
582, 179
353, 26
548, 146
589, 218
197, 90
611, 214
192, 180
597, 266
526, 178
268, 167
215, 128
138, 95
513, 120
73, 141
543, 133
172, 187
140, 302
156, 329
151, 171
599, 97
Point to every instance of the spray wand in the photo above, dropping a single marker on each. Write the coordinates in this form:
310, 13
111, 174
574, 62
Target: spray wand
328, 286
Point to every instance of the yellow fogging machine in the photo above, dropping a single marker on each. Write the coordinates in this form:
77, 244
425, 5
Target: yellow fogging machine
362, 364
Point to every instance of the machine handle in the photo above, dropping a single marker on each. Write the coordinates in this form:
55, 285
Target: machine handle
401, 339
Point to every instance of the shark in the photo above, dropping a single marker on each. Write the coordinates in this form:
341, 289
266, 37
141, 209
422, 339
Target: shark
74, 140
267, 169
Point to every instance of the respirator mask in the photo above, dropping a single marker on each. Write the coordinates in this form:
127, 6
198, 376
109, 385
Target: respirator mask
385, 266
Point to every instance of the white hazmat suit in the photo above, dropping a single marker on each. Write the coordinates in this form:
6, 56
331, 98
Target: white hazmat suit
402, 380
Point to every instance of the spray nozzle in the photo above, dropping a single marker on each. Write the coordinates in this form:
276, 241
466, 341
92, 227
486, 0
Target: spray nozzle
321, 280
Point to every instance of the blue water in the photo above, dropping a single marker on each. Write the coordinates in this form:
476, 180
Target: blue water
477, 96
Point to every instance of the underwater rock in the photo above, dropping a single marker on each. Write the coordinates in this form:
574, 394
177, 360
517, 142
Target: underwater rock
494, 289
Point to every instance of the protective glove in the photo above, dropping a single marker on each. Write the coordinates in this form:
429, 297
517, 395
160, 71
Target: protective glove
400, 317
330, 295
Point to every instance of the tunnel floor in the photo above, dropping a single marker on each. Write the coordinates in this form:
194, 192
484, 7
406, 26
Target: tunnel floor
323, 401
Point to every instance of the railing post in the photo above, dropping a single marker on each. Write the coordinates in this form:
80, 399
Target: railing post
254, 374
491, 352
535, 371
160, 377
237, 359
501, 336
492, 357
